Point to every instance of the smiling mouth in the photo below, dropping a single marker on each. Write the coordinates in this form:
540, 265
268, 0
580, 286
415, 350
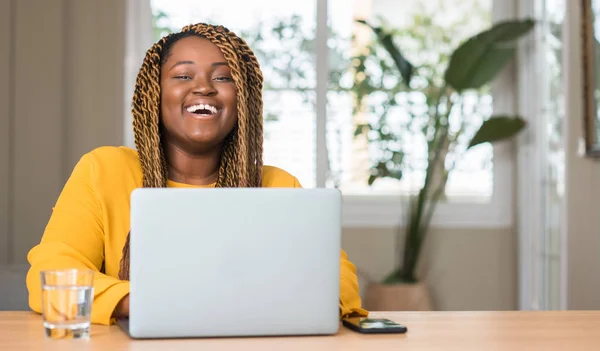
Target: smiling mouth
202, 110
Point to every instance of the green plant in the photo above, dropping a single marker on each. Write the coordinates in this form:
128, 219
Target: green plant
470, 68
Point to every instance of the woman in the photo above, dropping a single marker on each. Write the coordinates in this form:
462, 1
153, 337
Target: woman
197, 117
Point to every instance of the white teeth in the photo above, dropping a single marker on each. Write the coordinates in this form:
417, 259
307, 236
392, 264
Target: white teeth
194, 108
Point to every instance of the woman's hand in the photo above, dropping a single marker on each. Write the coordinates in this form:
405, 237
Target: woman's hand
122, 309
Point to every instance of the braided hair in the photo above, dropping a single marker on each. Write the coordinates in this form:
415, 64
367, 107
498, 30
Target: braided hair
241, 160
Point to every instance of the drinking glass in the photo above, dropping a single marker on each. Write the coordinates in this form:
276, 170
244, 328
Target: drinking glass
67, 297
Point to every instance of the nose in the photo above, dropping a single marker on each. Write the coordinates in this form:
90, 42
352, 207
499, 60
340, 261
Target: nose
204, 87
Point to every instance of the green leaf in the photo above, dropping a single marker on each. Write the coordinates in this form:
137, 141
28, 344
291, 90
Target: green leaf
477, 61
395, 174
387, 41
372, 179
397, 157
497, 128
361, 129
385, 136
493, 61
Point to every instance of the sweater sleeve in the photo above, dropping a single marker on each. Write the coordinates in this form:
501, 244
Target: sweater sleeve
74, 238
350, 302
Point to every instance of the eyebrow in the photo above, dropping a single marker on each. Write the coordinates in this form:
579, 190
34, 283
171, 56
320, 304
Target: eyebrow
182, 63
214, 64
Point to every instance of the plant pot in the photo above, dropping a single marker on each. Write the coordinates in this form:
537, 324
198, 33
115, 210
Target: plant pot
397, 297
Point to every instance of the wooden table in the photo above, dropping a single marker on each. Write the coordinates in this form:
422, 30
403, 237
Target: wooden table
482, 331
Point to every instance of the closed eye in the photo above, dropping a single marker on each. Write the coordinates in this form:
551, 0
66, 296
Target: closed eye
224, 79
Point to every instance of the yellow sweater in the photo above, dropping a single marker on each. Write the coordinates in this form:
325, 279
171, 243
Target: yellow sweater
90, 222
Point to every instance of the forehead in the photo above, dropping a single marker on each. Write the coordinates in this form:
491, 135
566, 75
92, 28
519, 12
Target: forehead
195, 49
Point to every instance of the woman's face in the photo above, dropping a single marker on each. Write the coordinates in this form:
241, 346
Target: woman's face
198, 96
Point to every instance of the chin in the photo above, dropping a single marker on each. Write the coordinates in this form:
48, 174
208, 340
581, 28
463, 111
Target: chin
203, 143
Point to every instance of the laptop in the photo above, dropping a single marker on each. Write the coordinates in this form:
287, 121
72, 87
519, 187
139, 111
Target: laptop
229, 262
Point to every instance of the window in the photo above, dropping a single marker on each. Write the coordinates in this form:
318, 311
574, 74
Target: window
311, 131
282, 35
427, 33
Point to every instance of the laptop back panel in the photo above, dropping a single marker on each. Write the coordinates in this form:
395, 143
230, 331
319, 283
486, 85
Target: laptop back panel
234, 262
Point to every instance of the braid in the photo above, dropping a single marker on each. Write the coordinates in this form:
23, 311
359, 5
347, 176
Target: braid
254, 81
241, 161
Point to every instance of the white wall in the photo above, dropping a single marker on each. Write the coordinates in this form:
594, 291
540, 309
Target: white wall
61, 94
5, 140
582, 183
464, 269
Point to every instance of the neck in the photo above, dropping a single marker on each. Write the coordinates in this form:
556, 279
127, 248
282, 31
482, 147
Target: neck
193, 169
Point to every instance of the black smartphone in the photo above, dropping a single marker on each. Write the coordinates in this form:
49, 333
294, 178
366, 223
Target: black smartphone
373, 325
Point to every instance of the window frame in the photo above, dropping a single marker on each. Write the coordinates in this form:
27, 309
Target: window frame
535, 253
